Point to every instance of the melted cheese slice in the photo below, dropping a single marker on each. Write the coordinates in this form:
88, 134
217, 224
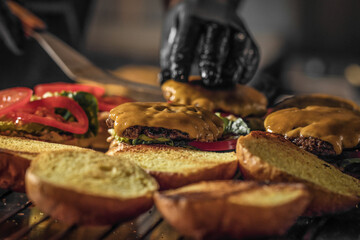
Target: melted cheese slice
338, 126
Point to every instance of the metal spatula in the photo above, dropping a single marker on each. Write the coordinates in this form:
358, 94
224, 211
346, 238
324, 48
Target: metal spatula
75, 65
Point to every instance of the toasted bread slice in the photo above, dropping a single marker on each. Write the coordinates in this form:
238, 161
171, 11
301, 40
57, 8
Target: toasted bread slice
88, 187
269, 157
174, 167
16, 155
235, 209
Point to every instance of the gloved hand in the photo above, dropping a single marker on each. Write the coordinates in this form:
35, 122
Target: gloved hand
209, 33
11, 31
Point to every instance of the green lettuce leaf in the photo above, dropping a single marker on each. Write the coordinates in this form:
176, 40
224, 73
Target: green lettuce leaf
237, 127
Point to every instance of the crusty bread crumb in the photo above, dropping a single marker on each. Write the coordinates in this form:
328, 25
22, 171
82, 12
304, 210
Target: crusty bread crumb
234, 209
270, 157
87, 187
174, 167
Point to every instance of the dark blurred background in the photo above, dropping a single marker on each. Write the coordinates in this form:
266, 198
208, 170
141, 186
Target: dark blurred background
306, 46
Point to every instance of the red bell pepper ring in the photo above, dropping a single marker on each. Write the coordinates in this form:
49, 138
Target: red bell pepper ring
41, 89
109, 102
26, 114
14, 98
224, 145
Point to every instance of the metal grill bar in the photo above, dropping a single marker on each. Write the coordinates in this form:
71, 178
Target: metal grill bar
5, 194
18, 235
15, 211
64, 233
151, 229
109, 231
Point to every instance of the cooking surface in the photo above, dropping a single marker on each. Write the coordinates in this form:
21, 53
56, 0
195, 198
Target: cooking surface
30, 223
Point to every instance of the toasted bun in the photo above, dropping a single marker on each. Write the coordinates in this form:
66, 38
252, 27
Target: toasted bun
234, 209
242, 101
317, 99
87, 187
174, 167
15, 157
270, 157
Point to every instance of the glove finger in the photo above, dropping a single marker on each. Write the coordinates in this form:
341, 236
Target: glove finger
213, 52
170, 29
184, 47
165, 54
244, 59
249, 61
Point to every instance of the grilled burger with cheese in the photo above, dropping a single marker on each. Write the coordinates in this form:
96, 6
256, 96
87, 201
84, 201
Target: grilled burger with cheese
170, 124
242, 101
177, 144
323, 131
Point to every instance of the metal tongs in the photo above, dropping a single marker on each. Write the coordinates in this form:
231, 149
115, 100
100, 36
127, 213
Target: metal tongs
75, 65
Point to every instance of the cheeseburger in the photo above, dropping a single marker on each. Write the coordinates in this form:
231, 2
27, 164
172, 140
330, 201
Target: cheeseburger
321, 130
242, 101
174, 125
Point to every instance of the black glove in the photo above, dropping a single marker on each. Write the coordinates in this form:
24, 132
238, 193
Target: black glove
11, 31
210, 33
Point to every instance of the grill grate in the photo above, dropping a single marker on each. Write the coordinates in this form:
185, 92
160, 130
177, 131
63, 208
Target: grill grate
148, 222
149, 225
15, 211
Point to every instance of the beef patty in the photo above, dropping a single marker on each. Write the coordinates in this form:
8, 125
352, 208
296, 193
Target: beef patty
152, 132
314, 145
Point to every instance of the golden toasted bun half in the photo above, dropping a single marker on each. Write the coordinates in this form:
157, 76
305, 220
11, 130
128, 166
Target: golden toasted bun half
16, 155
87, 187
317, 99
235, 209
242, 100
269, 157
174, 167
